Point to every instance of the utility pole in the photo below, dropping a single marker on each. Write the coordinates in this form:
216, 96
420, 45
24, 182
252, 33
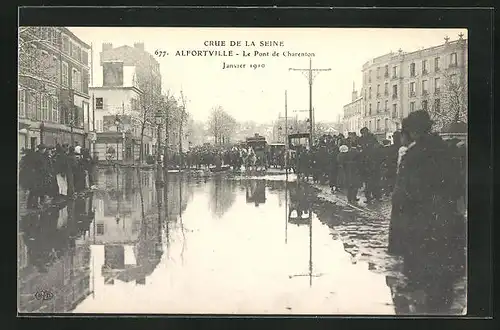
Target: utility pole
310, 76
286, 140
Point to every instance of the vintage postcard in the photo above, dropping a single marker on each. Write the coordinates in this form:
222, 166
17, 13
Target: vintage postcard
281, 171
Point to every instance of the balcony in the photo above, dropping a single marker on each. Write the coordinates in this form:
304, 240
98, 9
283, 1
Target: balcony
437, 69
413, 94
424, 72
425, 92
394, 114
394, 76
437, 90
412, 74
452, 65
394, 96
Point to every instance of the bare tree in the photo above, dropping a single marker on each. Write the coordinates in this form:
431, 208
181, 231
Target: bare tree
215, 123
36, 69
450, 104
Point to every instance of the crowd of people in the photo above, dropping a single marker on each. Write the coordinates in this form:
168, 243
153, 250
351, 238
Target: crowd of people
52, 174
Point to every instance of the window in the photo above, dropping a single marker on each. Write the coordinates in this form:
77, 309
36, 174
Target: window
394, 71
394, 91
55, 69
386, 89
424, 66
99, 103
437, 85
370, 93
378, 125
54, 37
412, 69
31, 98
394, 110
65, 42
412, 106
55, 110
65, 74
369, 109
425, 87
412, 89
386, 124
436, 64
76, 80
378, 72
85, 57
386, 74
370, 76
437, 105
99, 229
386, 105
21, 106
378, 90
424, 105
453, 59
45, 108
378, 106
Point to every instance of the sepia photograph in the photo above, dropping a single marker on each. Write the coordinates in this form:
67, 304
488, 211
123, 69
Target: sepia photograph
203, 170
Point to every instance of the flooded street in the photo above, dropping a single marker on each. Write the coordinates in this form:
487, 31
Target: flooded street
219, 244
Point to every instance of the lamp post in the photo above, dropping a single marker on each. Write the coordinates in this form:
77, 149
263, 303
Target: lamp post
159, 170
117, 123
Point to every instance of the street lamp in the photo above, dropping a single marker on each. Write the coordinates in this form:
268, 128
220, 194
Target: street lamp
158, 121
117, 123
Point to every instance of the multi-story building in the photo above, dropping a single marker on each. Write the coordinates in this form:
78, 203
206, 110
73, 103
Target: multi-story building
126, 102
53, 95
396, 84
352, 120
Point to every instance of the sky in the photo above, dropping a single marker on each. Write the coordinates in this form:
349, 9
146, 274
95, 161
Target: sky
259, 94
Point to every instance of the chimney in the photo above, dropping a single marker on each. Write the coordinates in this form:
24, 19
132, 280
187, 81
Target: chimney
107, 46
139, 45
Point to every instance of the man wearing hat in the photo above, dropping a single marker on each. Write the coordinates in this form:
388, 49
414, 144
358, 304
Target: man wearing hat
426, 194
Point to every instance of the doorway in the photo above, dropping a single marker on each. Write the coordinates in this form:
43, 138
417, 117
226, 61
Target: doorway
33, 143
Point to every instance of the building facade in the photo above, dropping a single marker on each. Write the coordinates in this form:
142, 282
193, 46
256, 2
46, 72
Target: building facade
126, 102
118, 121
53, 94
352, 120
430, 79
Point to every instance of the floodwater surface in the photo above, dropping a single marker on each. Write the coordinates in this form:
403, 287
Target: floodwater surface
219, 244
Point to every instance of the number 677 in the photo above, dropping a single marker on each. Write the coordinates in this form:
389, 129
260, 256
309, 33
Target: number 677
160, 53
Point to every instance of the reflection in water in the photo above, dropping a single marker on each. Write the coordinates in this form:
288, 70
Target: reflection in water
236, 261
55, 257
222, 194
256, 192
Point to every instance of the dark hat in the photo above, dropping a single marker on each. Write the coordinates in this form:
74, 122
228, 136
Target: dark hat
418, 122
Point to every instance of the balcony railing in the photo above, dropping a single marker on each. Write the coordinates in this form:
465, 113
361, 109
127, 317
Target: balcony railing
412, 74
437, 69
394, 96
452, 65
437, 90
413, 94
424, 72
394, 76
394, 114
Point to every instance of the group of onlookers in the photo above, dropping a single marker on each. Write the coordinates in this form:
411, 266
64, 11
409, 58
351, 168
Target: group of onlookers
56, 173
